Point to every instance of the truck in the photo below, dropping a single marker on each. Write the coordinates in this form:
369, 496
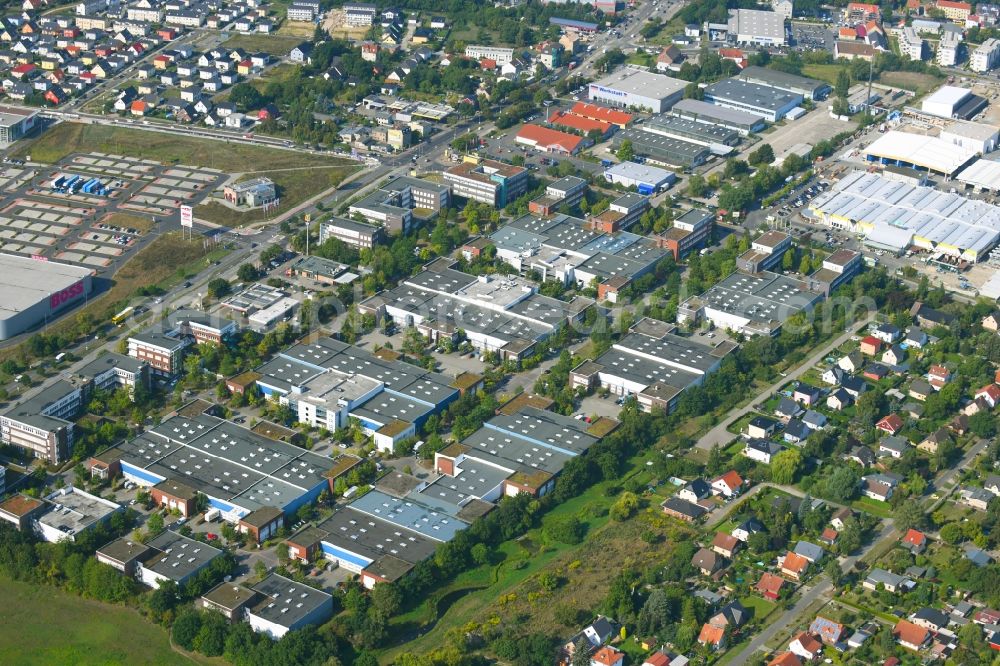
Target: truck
212, 515
606, 163
71, 182
123, 315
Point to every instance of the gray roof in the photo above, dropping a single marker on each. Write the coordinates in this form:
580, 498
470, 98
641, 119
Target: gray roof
809, 551
371, 537
25, 282
783, 80
752, 94
288, 602
409, 514
707, 110
179, 557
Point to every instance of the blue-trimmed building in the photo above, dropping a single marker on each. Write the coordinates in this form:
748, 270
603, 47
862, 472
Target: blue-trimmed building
573, 24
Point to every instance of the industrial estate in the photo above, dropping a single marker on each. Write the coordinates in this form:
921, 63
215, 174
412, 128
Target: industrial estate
595, 333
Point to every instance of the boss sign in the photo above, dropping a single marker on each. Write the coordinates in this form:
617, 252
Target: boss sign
66, 295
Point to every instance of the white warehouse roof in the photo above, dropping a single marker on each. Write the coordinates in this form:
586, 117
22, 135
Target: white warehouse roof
929, 152
945, 95
984, 174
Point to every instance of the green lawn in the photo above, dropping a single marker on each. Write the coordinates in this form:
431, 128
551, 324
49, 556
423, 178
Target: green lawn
826, 73
53, 627
874, 507
761, 606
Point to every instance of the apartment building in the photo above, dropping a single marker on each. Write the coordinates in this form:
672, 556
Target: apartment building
359, 15
947, 53
488, 181
910, 44
498, 54
986, 56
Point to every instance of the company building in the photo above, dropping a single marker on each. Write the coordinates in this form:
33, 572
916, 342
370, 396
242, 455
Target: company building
16, 123
690, 231
771, 104
757, 27
253, 193
488, 181
391, 205
652, 363
163, 344
922, 152
953, 102
286, 605
356, 234
631, 87
743, 122
663, 150
646, 178
35, 292
498, 54
793, 83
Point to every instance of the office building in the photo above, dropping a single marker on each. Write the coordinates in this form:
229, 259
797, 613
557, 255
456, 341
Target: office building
690, 231
563, 193
634, 88
70, 511
253, 193
38, 292
765, 252
769, 103
392, 205
498, 54
162, 345
837, 269
359, 235
488, 181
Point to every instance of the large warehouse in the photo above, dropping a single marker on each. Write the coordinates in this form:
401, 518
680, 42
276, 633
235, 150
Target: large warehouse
953, 102
706, 112
793, 83
642, 176
16, 123
894, 216
631, 87
770, 103
926, 153
753, 26
35, 291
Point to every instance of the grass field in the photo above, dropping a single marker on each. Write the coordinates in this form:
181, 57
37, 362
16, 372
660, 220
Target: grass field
164, 262
68, 138
915, 81
826, 73
56, 628
276, 45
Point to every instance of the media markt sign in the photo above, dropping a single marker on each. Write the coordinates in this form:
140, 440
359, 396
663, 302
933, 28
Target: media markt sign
187, 217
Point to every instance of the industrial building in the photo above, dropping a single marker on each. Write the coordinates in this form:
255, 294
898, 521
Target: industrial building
358, 235
322, 270
837, 269
16, 123
664, 150
162, 345
980, 175
253, 193
717, 138
548, 140
67, 512
42, 424
634, 88
743, 122
563, 193
503, 314
286, 605
893, 216
757, 27
953, 102
328, 382
173, 557
750, 304
765, 253
391, 206
652, 363
487, 181
980, 137
647, 179
238, 470
799, 85
37, 292
928, 153
769, 103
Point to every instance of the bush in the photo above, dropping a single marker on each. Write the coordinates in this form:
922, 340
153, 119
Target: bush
565, 530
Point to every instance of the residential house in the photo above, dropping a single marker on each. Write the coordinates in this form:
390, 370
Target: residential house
888, 580
854, 386
796, 431
875, 372
890, 424
840, 517
607, 656
810, 551
876, 490
931, 443
920, 390
870, 345
977, 498
806, 394
806, 645
746, 528
852, 362
887, 333
769, 586
728, 485
915, 338
991, 394
712, 637
893, 446
910, 635
938, 376
761, 427
930, 618
992, 484
978, 557
786, 659
707, 562
683, 510
915, 541
928, 317
839, 399
833, 375
814, 420
695, 491
763, 450
794, 566
725, 544
991, 322
829, 536
828, 631
894, 355
787, 409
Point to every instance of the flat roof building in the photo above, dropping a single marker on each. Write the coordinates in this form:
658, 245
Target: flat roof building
488, 181
36, 292
174, 557
253, 193
391, 205
642, 176
700, 111
665, 150
717, 137
70, 511
754, 26
770, 103
756, 304
945, 101
287, 605
632, 87
897, 215
322, 270
793, 83
928, 153
16, 123
360, 235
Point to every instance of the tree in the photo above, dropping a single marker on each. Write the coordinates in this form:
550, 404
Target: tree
833, 571
909, 515
247, 273
842, 89
787, 260
715, 460
154, 525
805, 266
218, 287
186, 628
785, 466
625, 507
694, 91
763, 155
696, 186
568, 530
625, 151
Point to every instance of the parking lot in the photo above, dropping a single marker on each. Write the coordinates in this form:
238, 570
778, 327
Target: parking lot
811, 37
75, 211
